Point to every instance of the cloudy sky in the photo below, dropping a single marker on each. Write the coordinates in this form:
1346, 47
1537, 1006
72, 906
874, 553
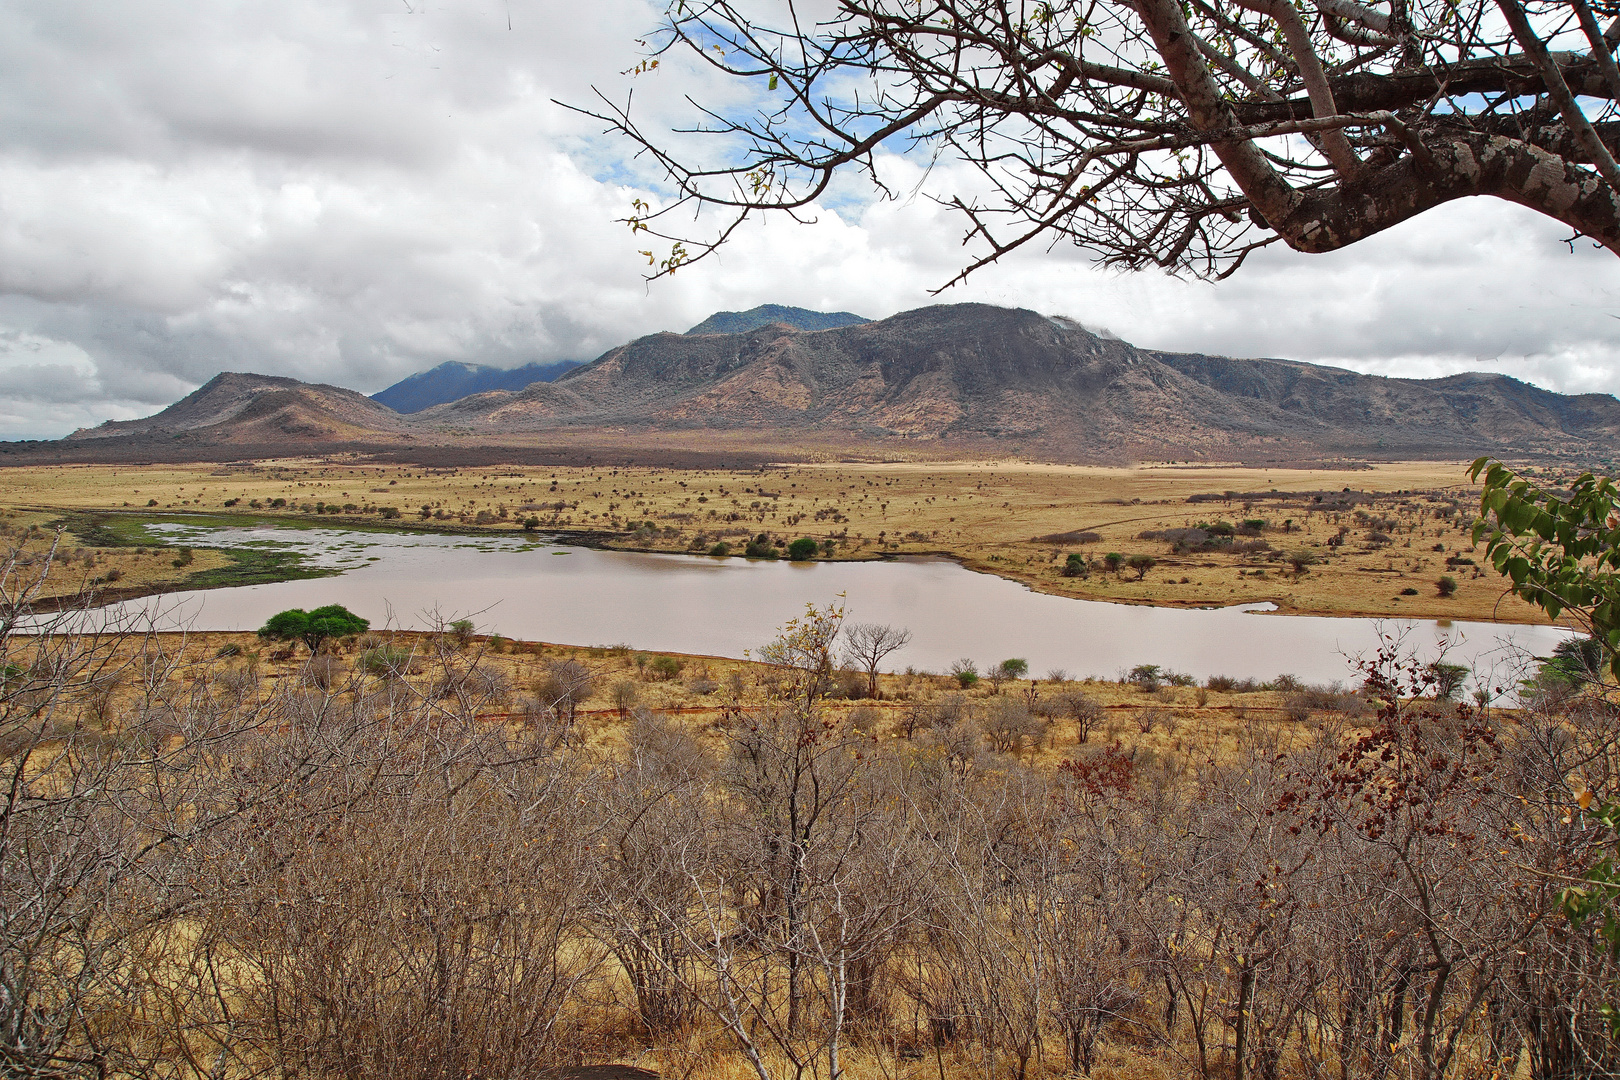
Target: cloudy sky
349, 191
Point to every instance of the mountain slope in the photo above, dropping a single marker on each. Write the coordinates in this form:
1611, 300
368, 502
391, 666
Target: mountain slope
234, 407
967, 376
740, 322
451, 381
1458, 409
986, 374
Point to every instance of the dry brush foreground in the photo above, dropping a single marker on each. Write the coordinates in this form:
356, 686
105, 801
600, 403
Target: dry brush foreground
443, 856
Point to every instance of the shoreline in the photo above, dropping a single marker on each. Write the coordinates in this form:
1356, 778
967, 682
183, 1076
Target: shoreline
249, 567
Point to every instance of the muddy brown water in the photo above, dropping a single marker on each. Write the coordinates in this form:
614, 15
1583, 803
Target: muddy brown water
542, 591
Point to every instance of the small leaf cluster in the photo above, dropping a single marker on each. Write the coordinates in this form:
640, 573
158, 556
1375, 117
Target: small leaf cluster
1559, 552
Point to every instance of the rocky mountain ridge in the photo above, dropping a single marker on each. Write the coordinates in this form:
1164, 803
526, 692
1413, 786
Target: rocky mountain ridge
971, 376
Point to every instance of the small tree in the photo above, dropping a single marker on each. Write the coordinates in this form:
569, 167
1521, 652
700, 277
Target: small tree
866, 645
1084, 711
1146, 677
563, 686
1113, 560
1576, 661
802, 653
1448, 679
1141, 564
1446, 585
1076, 566
966, 673
802, 549
624, 697
313, 627
531, 523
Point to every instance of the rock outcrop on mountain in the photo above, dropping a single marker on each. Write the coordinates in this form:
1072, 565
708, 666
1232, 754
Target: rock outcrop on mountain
967, 375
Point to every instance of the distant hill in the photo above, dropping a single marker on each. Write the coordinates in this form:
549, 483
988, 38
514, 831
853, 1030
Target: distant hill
234, 407
740, 322
452, 380
967, 377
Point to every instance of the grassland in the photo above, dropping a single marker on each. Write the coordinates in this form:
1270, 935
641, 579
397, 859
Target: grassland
1338, 541
708, 693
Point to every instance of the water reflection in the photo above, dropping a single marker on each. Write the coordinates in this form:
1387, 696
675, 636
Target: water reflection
723, 607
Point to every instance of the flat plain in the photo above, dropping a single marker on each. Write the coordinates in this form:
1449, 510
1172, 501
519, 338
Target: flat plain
1355, 540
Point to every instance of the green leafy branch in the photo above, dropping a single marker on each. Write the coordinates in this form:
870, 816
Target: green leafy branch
1560, 553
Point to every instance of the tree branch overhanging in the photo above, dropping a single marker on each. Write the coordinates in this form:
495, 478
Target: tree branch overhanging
1151, 133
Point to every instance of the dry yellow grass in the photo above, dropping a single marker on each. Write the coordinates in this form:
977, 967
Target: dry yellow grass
1188, 723
986, 514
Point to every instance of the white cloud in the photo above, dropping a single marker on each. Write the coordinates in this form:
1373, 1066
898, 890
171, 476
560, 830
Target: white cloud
351, 190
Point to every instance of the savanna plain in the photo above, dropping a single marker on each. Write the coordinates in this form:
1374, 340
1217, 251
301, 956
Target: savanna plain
1370, 540
449, 854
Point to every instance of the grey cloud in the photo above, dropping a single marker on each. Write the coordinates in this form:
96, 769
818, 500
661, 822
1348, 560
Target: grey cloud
348, 191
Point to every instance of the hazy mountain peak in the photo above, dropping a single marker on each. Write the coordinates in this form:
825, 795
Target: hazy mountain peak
453, 380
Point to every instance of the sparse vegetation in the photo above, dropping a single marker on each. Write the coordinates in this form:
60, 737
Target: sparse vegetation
1015, 520
460, 826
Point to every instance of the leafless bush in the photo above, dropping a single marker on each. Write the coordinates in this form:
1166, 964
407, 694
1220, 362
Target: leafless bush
563, 686
1148, 719
323, 671
865, 719
1009, 726
1083, 711
849, 684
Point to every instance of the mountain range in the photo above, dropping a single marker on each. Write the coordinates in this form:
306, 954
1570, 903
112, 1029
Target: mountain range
451, 381
944, 379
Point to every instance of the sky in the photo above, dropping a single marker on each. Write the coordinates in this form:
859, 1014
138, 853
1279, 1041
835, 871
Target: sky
350, 191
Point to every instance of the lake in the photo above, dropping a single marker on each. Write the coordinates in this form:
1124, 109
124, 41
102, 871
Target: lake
538, 590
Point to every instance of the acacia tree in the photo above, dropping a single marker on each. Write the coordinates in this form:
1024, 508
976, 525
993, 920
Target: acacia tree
1177, 133
313, 627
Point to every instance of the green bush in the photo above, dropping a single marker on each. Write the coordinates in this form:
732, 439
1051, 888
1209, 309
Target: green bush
966, 673
1014, 668
803, 548
385, 660
665, 668
1446, 585
721, 550
313, 627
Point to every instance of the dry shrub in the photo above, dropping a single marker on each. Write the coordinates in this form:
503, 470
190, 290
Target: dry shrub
1148, 719
323, 671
